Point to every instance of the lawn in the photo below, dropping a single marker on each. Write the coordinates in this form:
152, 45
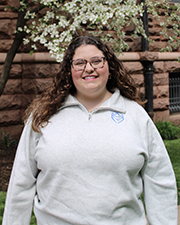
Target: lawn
173, 147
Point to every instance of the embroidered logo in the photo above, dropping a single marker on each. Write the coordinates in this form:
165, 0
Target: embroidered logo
117, 117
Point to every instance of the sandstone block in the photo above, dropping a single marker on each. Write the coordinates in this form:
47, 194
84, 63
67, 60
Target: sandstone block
175, 119
158, 66
160, 79
150, 21
154, 31
169, 33
29, 86
36, 70
3, 2
55, 67
142, 92
130, 45
157, 46
172, 66
13, 130
137, 44
16, 71
5, 31
161, 91
35, 86
5, 45
128, 38
2, 7
155, 38
12, 87
42, 84
158, 21
130, 28
161, 103
10, 102
161, 115
148, 56
10, 117
14, 3
133, 67
8, 15
138, 79
14, 22
27, 99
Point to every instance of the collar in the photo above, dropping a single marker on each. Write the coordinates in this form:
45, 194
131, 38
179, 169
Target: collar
116, 103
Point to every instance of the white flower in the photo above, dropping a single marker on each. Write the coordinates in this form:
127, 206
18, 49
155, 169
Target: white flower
20, 29
26, 41
55, 31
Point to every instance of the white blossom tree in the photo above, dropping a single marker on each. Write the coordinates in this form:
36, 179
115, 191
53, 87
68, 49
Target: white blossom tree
61, 20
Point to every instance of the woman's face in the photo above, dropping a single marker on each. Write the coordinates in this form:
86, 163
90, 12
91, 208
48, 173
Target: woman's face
89, 82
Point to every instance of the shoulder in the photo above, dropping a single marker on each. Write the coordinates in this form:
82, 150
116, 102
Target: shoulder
139, 116
134, 108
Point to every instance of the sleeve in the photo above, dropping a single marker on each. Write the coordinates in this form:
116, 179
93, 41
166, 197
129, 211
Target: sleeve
21, 189
160, 192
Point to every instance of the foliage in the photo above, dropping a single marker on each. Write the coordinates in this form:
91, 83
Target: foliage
2, 201
33, 219
173, 147
6, 140
56, 26
167, 130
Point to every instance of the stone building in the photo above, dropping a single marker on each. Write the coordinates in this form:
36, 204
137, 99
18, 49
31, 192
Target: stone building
30, 74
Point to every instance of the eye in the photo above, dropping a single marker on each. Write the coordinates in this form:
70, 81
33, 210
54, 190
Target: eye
79, 62
96, 61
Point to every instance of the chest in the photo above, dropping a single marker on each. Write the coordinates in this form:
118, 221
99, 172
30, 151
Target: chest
103, 141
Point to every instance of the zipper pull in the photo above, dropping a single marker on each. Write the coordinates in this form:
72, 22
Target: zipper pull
90, 116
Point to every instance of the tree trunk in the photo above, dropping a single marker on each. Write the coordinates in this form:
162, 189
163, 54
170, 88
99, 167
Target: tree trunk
21, 21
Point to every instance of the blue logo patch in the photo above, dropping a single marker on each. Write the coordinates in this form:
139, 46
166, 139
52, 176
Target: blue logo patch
117, 117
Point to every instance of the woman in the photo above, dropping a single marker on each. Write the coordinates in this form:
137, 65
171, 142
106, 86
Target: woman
89, 150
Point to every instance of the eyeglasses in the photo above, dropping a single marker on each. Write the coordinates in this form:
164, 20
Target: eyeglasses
95, 62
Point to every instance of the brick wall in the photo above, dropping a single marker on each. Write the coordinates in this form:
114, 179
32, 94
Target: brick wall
31, 74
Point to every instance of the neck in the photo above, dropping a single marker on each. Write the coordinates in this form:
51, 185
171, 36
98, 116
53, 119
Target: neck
93, 102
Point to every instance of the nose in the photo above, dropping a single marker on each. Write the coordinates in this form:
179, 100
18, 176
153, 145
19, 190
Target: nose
88, 67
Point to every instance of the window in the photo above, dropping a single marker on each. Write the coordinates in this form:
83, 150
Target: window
174, 92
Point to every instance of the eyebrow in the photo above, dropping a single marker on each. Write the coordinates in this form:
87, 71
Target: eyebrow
91, 57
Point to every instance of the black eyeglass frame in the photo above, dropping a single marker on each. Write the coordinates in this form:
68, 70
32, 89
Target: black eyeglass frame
87, 61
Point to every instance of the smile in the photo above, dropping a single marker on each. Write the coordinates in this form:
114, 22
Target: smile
90, 77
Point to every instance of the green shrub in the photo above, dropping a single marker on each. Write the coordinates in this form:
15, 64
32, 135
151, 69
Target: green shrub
167, 130
6, 140
173, 147
2, 201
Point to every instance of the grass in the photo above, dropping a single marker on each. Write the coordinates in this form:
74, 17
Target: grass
2, 200
173, 148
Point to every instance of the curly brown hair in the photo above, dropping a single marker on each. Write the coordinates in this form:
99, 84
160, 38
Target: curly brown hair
42, 108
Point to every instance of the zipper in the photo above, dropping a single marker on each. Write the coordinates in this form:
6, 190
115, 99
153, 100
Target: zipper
101, 108
89, 116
